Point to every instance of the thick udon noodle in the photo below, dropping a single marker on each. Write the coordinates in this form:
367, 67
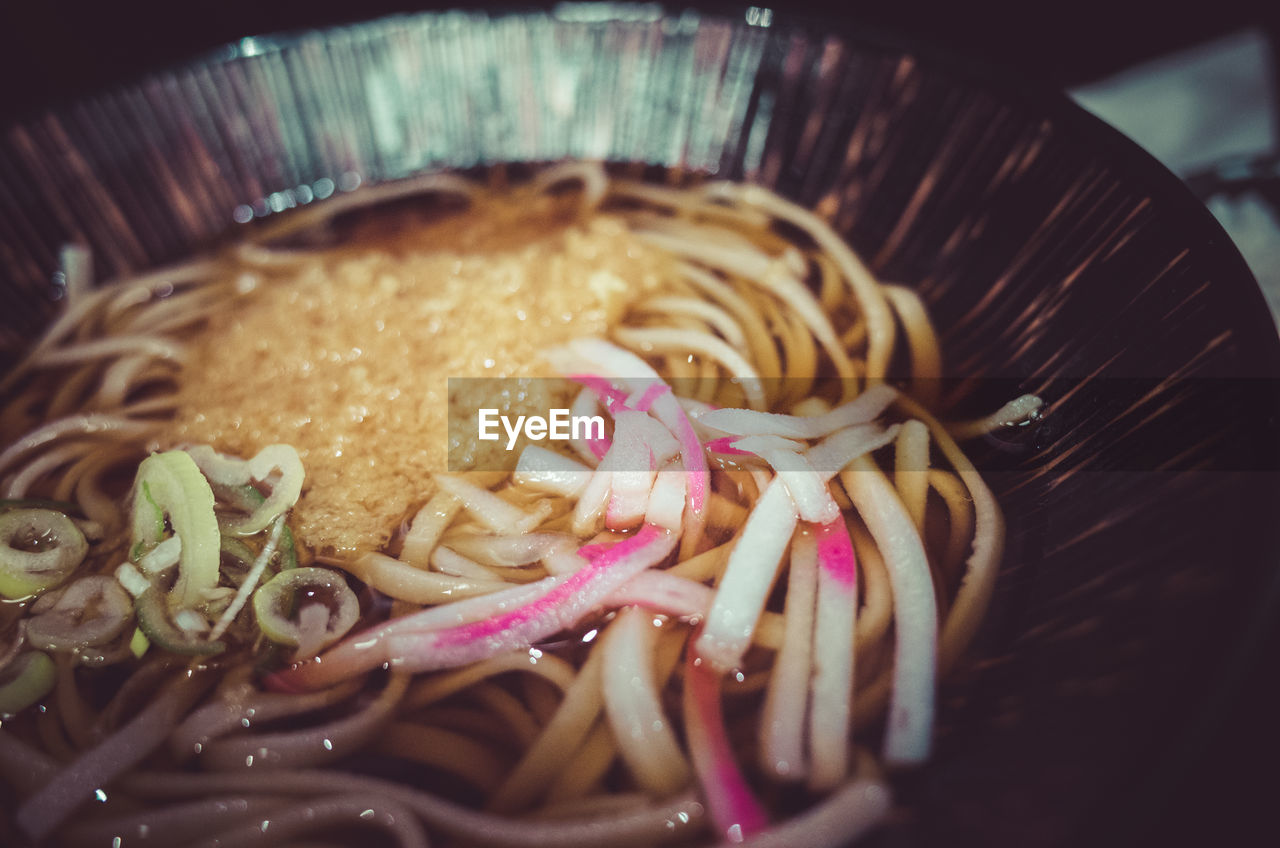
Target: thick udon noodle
635, 725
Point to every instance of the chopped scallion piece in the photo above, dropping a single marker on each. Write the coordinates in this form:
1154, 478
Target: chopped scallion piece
154, 621
170, 485
32, 677
39, 548
282, 606
139, 644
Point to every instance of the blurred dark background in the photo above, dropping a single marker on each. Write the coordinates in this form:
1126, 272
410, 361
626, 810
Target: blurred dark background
59, 50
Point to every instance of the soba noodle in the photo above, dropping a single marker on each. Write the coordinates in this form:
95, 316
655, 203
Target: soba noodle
252, 643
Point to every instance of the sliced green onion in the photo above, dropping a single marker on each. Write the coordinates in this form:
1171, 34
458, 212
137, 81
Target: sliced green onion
236, 475
234, 547
139, 644
220, 469
34, 675
162, 556
91, 611
58, 544
133, 580
286, 552
148, 521
190, 621
280, 603
153, 619
285, 492
251, 580
170, 484
218, 604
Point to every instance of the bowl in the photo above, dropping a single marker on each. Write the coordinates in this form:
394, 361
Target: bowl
1055, 256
